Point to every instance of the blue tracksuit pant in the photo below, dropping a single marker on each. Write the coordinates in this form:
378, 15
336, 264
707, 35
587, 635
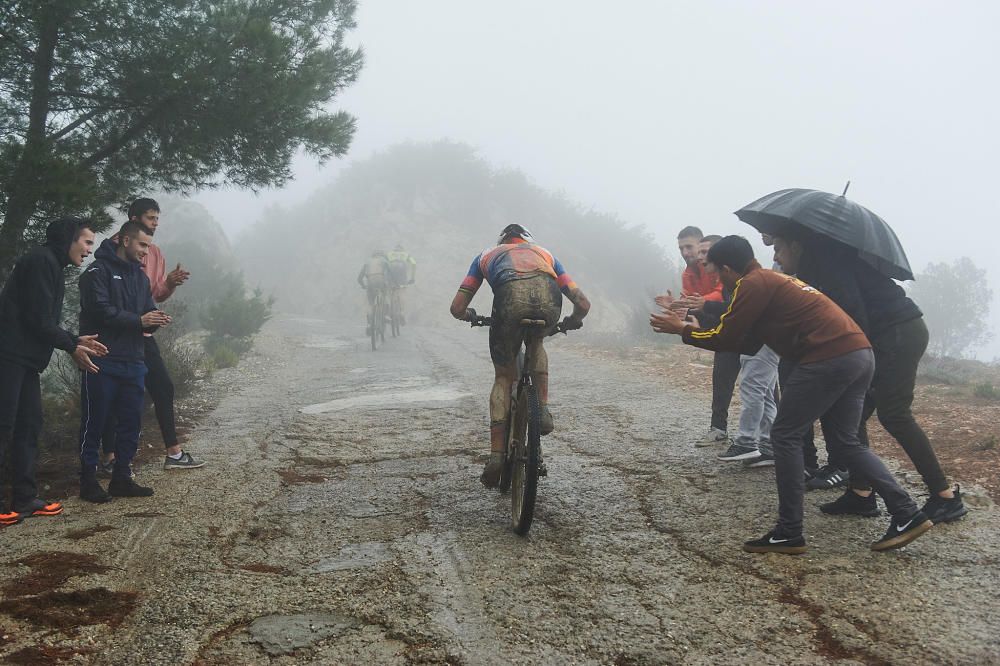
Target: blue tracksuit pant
118, 391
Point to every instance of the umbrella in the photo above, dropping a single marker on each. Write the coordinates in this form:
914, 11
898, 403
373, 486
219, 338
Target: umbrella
833, 216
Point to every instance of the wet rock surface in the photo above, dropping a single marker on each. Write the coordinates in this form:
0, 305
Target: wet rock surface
360, 533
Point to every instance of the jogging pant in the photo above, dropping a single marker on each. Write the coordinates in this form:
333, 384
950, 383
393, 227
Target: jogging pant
20, 424
725, 369
104, 396
161, 390
758, 376
809, 454
832, 391
897, 355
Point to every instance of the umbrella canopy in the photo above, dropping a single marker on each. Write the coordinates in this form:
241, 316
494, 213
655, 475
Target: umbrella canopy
835, 217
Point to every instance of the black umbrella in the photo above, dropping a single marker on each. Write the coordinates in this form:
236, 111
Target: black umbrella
833, 216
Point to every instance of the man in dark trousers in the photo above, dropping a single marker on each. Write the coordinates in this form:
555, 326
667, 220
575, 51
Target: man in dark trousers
834, 366
116, 304
30, 314
896, 328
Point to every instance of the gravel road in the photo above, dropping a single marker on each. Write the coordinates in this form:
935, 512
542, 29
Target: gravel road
341, 520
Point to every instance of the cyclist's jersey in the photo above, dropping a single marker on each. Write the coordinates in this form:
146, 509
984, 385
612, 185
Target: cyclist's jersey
401, 266
514, 261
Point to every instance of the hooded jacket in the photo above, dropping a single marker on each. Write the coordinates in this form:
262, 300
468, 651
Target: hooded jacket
31, 301
114, 294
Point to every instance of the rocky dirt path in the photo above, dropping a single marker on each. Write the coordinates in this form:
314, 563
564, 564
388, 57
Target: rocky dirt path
341, 521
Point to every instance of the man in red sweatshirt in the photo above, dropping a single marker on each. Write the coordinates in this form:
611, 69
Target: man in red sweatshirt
834, 367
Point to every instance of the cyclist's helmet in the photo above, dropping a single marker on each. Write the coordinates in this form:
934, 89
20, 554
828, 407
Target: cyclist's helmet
514, 231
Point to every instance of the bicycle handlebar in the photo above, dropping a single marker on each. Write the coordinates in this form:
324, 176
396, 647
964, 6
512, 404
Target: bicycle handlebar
480, 320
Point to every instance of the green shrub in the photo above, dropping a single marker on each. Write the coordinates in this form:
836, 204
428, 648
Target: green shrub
234, 314
224, 357
987, 391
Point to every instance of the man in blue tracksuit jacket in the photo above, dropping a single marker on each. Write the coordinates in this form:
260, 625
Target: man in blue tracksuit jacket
116, 303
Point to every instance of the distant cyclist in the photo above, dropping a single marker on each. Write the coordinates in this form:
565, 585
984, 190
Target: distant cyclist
402, 271
526, 281
374, 277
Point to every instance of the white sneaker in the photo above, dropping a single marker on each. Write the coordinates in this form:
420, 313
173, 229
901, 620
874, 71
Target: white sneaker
713, 438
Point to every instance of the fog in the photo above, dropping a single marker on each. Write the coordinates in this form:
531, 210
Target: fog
679, 114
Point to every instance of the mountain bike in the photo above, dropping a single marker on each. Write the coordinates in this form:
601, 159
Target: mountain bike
377, 327
523, 444
395, 310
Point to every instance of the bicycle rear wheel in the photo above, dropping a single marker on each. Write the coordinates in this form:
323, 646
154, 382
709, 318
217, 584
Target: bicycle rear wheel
524, 479
371, 324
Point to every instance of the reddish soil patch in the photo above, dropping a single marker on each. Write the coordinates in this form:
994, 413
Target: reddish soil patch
69, 610
292, 476
49, 570
258, 567
45, 655
76, 535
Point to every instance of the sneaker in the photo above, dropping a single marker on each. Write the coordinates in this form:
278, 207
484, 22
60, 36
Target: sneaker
92, 491
713, 438
186, 461
39, 507
739, 452
901, 532
8, 519
763, 460
943, 510
772, 542
547, 425
491, 473
852, 504
810, 473
128, 488
828, 476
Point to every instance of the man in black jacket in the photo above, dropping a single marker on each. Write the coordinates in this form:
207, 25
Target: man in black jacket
116, 303
899, 337
30, 313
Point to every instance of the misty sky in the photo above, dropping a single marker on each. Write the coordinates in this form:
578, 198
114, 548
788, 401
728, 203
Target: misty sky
678, 113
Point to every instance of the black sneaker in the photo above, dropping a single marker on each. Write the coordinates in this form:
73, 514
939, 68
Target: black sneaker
738, 452
828, 476
763, 460
772, 542
852, 504
943, 510
91, 490
128, 488
902, 532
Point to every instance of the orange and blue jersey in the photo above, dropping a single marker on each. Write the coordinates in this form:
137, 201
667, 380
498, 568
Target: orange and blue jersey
514, 261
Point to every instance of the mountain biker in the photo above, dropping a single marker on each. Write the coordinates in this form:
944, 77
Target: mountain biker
402, 271
374, 276
527, 282
402, 267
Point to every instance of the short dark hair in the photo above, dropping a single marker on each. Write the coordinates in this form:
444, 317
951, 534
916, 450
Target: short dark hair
141, 206
81, 223
132, 229
711, 238
732, 251
687, 232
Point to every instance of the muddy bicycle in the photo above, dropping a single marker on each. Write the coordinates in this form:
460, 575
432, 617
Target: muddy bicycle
395, 310
376, 327
523, 443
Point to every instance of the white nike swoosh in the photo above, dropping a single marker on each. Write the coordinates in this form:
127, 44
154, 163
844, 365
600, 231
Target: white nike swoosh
900, 528
773, 540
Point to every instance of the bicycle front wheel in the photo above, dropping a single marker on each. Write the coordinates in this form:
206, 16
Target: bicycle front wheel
524, 479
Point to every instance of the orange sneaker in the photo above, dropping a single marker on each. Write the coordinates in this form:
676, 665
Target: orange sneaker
39, 507
8, 519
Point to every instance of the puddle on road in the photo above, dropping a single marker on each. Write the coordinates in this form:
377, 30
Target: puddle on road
284, 634
354, 556
326, 342
389, 399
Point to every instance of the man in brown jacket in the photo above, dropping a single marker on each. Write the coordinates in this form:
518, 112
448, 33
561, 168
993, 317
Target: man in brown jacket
834, 366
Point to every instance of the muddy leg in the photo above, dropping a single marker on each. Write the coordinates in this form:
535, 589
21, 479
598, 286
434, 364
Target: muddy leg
540, 371
500, 403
